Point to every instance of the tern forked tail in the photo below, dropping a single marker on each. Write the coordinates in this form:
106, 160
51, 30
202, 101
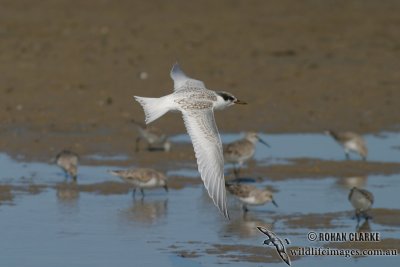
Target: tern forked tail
153, 107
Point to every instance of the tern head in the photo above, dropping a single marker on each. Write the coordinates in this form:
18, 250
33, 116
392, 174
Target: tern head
225, 99
253, 137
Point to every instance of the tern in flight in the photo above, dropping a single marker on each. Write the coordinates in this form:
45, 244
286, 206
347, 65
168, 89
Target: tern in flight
197, 104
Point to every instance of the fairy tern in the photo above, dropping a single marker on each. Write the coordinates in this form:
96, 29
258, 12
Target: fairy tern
197, 104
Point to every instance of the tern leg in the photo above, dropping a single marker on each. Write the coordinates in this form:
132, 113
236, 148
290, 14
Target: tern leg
166, 188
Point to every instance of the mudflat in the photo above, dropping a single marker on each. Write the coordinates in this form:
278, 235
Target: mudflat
69, 69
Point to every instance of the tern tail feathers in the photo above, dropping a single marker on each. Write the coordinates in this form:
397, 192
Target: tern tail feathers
153, 107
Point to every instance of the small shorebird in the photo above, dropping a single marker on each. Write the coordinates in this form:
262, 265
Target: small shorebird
351, 142
250, 195
68, 161
154, 138
197, 105
142, 178
242, 150
362, 201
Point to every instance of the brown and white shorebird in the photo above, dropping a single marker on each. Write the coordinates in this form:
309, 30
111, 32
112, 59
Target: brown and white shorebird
351, 142
197, 105
362, 201
68, 162
242, 150
142, 178
153, 136
250, 195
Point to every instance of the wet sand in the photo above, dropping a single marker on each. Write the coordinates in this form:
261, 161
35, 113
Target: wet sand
69, 69
309, 168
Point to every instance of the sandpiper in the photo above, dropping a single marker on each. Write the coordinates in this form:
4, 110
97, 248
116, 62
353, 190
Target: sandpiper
351, 142
68, 161
197, 105
242, 150
142, 178
362, 201
250, 195
154, 138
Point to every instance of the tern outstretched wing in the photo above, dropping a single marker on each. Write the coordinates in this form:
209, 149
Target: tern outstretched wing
203, 131
181, 81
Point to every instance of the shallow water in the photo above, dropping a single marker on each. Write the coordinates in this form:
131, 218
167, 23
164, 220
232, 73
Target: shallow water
382, 148
61, 224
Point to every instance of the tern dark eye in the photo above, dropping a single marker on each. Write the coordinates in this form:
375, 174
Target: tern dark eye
227, 97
